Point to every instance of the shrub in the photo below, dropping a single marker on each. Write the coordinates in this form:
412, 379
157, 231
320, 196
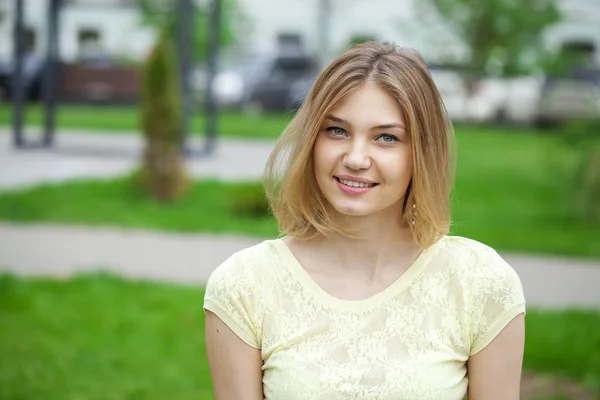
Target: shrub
584, 137
163, 172
247, 200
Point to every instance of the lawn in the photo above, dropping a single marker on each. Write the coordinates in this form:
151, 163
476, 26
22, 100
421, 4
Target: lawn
208, 207
100, 337
125, 119
512, 192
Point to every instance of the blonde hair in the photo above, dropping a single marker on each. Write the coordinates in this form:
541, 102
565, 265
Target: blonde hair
295, 198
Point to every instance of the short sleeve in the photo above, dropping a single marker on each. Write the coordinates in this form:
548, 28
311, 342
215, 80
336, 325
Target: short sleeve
496, 299
232, 295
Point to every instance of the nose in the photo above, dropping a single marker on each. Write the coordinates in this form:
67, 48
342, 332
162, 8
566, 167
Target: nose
357, 156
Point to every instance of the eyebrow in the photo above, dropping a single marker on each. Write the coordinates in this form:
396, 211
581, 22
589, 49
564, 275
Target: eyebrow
343, 121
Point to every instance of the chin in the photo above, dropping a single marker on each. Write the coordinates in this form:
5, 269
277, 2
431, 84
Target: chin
354, 210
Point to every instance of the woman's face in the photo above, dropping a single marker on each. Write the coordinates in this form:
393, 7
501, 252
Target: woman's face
362, 154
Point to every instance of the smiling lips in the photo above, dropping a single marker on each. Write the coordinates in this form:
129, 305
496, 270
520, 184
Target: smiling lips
352, 185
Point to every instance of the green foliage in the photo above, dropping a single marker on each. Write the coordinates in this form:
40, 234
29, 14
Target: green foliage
358, 39
163, 171
248, 200
570, 55
584, 137
164, 13
226, 29
582, 133
161, 96
504, 35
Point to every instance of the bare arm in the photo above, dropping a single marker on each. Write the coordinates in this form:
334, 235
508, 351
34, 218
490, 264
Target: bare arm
495, 372
235, 367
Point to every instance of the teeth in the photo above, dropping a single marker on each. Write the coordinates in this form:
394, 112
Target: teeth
356, 184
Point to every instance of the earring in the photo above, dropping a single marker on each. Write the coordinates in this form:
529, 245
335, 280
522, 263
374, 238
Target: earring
414, 213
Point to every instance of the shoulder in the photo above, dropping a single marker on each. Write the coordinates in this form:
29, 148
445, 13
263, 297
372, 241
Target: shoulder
246, 264
473, 257
233, 291
481, 270
463, 247
490, 287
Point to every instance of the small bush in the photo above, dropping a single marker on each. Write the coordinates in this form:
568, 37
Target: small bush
584, 137
247, 200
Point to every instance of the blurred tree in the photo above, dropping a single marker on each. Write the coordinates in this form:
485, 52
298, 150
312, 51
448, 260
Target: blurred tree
164, 12
163, 173
358, 39
500, 35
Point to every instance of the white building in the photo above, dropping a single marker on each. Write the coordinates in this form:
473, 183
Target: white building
115, 26
384, 20
112, 26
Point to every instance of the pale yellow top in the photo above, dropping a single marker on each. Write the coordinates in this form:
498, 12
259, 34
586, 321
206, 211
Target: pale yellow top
410, 341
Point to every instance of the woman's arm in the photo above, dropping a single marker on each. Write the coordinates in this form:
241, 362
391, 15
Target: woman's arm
235, 367
495, 372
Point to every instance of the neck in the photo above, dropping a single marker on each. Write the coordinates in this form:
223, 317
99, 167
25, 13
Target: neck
380, 242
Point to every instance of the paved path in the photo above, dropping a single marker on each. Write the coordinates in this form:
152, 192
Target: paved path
88, 154
184, 258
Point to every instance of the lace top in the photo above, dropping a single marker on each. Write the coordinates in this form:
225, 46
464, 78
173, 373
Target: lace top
410, 341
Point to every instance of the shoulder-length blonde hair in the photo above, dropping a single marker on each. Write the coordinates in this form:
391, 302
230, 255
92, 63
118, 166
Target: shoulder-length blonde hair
295, 198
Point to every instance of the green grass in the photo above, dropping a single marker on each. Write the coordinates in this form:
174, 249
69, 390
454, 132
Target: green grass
125, 119
512, 192
566, 343
99, 337
206, 208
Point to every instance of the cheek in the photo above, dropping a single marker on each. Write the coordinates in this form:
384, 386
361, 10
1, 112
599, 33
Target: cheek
398, 167
321, 157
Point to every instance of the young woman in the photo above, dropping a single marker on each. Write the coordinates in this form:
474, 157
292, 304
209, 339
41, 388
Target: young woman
365, 295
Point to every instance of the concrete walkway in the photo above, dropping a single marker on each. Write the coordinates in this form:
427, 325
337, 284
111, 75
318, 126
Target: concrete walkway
90, 154
61, 251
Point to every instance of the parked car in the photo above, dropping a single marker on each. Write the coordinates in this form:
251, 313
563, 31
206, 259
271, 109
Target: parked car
566, 99
534, 100
265, 82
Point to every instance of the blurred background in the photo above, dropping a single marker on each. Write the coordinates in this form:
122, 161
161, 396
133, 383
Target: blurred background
133, 135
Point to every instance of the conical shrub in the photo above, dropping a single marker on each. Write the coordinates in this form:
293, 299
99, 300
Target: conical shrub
163, 174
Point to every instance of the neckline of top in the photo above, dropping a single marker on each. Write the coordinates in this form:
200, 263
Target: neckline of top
398, 286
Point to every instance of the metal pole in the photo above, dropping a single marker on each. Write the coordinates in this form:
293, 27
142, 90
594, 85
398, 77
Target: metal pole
50, 73
213, 56
185, 48
323, 21
18, 84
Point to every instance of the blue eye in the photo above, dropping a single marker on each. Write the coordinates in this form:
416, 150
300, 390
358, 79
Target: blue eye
387, 138
336, 131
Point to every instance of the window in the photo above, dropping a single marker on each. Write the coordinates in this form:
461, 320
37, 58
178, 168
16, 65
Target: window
30, 40
88, 40
289, 42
